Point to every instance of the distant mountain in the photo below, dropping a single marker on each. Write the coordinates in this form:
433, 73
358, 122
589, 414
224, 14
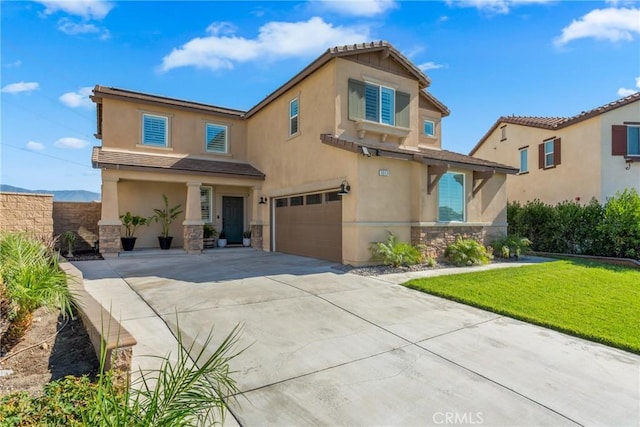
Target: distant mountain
58, 196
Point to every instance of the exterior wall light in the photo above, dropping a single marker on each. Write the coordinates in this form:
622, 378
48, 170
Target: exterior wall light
344, 188
263, 200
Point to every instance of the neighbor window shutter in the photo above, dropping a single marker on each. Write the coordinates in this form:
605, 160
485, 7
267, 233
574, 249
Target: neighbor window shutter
541, 156
356, 99
402, 109
618, 140
557, 152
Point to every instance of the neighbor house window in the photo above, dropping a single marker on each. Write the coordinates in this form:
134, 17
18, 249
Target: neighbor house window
549, 153
429, 128
294, 113
524, 160
206, 204
216, 138
633, 140
451, 197
377, 103
503, 133
155, 130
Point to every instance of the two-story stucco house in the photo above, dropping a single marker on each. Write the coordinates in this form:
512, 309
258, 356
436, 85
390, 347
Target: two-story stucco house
590, 155
347, 149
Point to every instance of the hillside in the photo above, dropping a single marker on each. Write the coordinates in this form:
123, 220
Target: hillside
58, 195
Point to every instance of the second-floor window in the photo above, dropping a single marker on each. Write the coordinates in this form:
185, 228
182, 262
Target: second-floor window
155, 130
294, 113
549, 153
429, 128
377, 103
216, 138
633, 140
524, 160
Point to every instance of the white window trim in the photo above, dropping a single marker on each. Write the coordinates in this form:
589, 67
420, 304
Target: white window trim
552, 152
291, 117
464, 201
211, 213
226, 139
527, 164
433, 125
167, 143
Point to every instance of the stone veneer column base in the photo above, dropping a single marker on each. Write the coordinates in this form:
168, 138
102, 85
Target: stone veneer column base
435, 239
256, 236
193, 238
109, 240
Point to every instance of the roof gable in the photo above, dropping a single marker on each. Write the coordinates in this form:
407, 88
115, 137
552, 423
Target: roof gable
553, 123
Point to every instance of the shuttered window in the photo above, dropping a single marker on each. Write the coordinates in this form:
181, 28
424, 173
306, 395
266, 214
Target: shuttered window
294, 113
378, 104
524, 160
549, 153
633, 140
206, 204
216, 138
154, 130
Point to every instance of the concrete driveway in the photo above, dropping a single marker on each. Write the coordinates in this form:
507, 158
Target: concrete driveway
328, 348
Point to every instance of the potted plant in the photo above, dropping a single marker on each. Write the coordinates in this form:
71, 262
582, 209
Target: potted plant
69, 239
165, 217
130, 224
222, 240
246, 238
209, 234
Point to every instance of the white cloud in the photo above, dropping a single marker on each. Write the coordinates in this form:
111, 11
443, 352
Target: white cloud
69, 142
430, 66
87, 9
626, 92
494, 6
638, 82
34, 146
20, 87
603, 24
357, 7
78, 99
14, 64
275, 40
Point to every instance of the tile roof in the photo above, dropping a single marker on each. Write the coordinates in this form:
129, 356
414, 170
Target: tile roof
557, 122
145, 98
123, 160
427, 156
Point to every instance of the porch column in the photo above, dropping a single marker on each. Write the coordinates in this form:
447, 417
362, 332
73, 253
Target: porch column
193, 223
109, 224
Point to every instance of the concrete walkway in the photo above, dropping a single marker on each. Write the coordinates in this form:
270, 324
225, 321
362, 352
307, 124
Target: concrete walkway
328, 348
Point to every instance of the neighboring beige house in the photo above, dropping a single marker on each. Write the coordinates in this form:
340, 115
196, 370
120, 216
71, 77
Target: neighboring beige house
591, 155
347, 149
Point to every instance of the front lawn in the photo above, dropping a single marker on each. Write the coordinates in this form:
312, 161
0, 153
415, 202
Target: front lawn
596, 301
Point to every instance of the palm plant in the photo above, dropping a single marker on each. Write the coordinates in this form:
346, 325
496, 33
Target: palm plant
69, 238
166, 215
32, 279
467, 252
395, 253
131, 223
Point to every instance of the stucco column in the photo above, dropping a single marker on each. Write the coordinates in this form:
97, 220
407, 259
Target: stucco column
193, 223
257, 212
109, 224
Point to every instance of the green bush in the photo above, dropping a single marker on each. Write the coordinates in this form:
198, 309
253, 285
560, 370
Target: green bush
507, 246
467, 252
612, 229
395, 253
31, 277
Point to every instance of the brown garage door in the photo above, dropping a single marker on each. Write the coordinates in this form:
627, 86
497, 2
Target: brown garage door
309, 225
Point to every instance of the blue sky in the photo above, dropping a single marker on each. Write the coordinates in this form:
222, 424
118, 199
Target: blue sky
486, 58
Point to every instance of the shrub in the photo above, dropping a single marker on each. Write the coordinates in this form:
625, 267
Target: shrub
32, 279
395, 253
620, 225
511, 245
467, 252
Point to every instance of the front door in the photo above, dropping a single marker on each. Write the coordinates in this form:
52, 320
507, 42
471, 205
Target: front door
233, 218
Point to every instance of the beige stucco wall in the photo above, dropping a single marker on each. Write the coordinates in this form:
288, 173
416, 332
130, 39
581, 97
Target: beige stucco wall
578, 175
122, 129
614, 175
79, 217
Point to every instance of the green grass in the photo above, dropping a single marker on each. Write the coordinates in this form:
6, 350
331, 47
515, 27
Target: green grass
596, 301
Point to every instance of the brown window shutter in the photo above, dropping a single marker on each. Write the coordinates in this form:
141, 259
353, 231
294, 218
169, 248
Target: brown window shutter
541, 156
557, 152
618, 140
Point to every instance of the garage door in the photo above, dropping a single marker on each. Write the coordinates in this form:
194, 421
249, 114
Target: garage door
310, 225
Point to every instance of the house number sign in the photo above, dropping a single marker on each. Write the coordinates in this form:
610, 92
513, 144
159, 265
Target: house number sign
383, 172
